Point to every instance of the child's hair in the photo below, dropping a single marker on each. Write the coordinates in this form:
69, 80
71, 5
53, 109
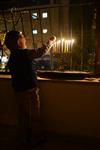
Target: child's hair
11, 39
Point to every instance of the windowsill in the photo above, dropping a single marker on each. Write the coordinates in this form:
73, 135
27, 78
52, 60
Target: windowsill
61, 76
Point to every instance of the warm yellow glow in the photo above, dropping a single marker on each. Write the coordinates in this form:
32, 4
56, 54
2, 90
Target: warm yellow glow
63, 40
59, 41
63, 45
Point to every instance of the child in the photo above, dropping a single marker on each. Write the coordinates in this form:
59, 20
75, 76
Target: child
24, 82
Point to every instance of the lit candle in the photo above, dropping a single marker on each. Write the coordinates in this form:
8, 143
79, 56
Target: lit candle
65, 46
62, 45
72, 42
58, 45
69, 45
54, 47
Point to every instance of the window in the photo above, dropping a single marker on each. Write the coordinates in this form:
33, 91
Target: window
45, 31
35, 31
74, 29
44, 15
34, 15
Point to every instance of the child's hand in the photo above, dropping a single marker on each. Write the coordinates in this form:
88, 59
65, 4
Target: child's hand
53, 38
51, 41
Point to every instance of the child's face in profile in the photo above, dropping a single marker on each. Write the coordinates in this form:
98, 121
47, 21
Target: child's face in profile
21, 41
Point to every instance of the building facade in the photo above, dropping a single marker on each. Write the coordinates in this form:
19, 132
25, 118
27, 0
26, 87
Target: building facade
38, 22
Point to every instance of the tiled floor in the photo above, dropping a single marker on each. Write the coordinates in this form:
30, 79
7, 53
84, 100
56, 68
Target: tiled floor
8, 142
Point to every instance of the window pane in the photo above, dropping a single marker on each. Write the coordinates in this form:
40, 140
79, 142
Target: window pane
44, 15
35, 31
45, 30
34, 15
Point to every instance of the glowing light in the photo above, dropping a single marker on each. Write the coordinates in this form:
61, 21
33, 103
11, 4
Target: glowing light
34, 15
58, 45
44, 15
4, 59
63, 45
45, 30
35, 31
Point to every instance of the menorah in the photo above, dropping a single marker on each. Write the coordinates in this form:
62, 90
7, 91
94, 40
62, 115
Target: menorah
63, 45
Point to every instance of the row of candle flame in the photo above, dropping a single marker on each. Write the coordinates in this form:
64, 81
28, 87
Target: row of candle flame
63, 45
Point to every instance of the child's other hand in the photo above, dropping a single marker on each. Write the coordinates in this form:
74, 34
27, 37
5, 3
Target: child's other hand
51, 41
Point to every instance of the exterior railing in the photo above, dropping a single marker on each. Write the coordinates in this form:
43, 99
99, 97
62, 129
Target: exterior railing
73, 25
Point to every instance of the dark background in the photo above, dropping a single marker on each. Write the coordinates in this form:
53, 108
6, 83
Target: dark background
6, 4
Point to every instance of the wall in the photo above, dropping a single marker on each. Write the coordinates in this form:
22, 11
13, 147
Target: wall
71, 108
67, 107
8, 110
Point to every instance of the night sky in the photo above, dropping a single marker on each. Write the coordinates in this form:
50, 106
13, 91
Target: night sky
81, 1
4, 4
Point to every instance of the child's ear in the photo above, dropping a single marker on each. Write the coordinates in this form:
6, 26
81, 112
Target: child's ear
21, 43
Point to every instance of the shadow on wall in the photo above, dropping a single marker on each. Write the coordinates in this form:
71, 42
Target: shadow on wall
71, 75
